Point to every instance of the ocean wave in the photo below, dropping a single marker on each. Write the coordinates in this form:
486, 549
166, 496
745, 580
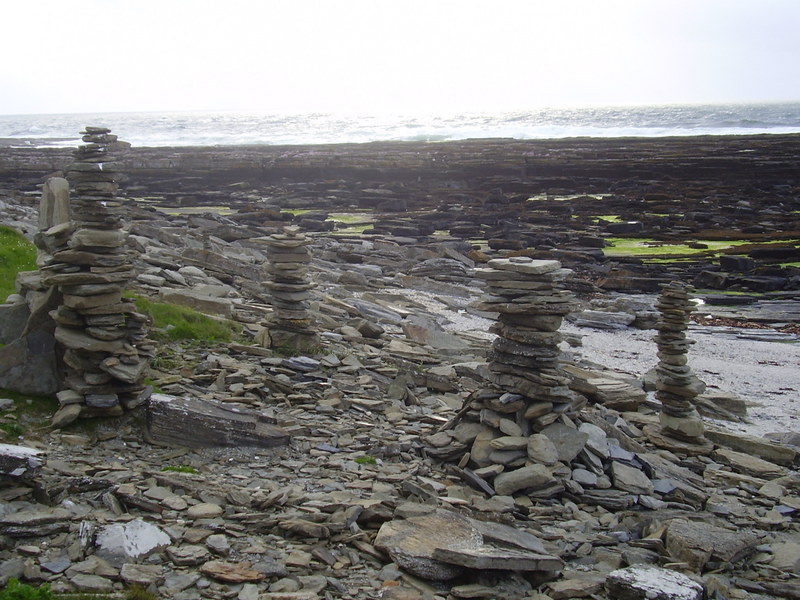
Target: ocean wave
231, 128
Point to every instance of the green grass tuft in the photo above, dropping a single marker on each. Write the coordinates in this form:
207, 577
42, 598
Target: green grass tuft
655, 248
180, 469
16, 254
173, 322
14, 590
12, 429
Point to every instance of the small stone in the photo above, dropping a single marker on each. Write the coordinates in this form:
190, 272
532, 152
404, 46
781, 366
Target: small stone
204, 510
534, 476
142, 575
218, 544
231, 572
542, 450
629, 479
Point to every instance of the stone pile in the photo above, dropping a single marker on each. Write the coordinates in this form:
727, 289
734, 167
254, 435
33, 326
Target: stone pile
524, 359
676, 386
288, 257
530, 390
105, 349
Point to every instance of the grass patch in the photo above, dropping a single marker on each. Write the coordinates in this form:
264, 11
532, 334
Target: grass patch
354, 229
619, 247
12, 429
174, 323
351, 218
366, 460
29, 412
16, 254
14, 590
195, 210
180, 469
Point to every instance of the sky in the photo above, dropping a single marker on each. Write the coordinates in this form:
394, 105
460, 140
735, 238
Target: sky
393, 56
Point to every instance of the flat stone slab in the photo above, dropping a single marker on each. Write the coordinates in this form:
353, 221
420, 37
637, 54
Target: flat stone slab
646, 582
19, 461
488, 557
195, 423
119, 544
522, 264
441, 545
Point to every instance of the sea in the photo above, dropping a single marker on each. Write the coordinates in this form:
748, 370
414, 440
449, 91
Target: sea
235, 128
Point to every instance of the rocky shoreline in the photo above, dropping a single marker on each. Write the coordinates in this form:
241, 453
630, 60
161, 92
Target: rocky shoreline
348, 508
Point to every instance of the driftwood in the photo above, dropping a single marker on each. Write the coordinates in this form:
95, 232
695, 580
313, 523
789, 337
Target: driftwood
195, 423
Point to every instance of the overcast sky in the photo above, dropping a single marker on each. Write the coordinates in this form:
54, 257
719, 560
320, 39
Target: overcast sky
392, 55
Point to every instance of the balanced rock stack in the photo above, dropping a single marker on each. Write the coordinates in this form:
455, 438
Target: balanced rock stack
524, 359
676, 385
288, 257
106, 352
500, 428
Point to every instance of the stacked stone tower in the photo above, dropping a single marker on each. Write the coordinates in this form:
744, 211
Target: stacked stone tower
524, 356
288, 257
105, 351
676, 386
502, 425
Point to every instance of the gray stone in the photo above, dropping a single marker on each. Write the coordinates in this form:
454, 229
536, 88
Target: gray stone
534, 476
629, 479
143, 575
13, 318
568, 441
19, 461
697, 543
584, 477
119, 544
187, 554
542, 450
786, 556
91, 583
647, 582
204, 510
199, 302
11, 568
411, 543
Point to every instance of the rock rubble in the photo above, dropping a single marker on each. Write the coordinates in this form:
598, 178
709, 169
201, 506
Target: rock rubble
399, 427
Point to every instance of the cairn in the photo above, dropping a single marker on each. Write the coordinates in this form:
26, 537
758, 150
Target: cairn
530, 390
288, 257
105, 349
676, 385
525, 355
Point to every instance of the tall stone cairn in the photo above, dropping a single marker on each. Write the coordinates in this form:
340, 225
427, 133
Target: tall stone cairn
524, 359
676, 385
104, 339
502, 430
288, 258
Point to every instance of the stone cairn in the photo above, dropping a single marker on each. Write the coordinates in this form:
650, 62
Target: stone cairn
105, 349
531, 390
676, 385
288, 258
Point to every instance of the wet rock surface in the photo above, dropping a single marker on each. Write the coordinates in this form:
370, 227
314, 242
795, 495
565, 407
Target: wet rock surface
399, 475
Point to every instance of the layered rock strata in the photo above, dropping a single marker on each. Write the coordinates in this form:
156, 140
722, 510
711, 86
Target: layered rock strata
677, 386
103, 337
288, 257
